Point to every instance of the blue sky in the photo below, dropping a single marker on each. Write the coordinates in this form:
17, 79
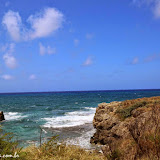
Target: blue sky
59, 45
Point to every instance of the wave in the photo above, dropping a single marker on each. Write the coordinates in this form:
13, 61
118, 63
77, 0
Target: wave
82, 141
90, 108
70, 119
13, 116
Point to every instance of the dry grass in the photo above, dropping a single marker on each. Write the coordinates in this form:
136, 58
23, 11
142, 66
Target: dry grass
142, 117
61, 152
53, 151
147, 137
151, 100
126, 107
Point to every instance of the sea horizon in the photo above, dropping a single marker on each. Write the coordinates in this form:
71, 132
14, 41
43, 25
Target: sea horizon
68, 91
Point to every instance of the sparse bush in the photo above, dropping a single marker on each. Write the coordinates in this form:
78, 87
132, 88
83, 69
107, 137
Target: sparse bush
8, 147
147, 138
114, 155
126, 112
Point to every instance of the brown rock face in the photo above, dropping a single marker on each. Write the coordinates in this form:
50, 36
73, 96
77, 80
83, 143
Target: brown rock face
1, 116
123, 128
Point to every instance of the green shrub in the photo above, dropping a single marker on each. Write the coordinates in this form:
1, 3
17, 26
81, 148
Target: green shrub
115, 155
8, 147
126, 112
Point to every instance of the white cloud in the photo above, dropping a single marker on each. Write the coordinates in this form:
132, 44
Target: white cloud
12, 21
156, 9
32, 77
10, 61
7, 77
42, 24
154, 5
8, 58
46, 50
88, 61
89, 36
135, 60
76, 42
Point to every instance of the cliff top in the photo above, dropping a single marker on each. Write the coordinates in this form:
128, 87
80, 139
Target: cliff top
129, 128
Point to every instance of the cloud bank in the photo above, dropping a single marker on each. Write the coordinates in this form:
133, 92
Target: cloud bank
42, 24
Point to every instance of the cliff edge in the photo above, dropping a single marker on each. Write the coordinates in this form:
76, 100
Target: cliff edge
129, 129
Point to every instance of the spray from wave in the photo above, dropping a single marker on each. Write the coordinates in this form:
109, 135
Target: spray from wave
9, 116
71, 119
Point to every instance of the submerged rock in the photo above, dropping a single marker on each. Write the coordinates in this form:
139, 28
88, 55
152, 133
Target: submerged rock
1, 116
122, 127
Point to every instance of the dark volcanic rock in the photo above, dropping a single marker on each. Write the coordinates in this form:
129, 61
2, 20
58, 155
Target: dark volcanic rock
1, 116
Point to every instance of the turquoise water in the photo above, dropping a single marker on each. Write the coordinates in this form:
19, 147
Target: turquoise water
25, 113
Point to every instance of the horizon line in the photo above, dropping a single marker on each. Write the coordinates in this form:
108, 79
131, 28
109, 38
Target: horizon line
29, 92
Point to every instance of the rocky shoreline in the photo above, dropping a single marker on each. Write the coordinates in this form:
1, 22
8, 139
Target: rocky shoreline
76, 135
128, 129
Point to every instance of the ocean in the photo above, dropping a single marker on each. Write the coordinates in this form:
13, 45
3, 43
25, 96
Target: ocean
67, 114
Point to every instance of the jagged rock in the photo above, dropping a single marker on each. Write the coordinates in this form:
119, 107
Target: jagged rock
1, 116
120, 125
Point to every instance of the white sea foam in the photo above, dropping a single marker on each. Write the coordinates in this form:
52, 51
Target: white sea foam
90, 108
70, 119
82, 141
9, 116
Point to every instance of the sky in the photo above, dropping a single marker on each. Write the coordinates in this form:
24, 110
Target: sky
59, 45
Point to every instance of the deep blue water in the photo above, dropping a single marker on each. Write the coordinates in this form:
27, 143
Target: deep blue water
25, 113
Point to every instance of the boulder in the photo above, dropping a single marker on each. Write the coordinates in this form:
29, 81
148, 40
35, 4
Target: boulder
1, 116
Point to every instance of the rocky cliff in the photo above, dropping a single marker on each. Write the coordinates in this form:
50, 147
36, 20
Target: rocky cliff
129, 129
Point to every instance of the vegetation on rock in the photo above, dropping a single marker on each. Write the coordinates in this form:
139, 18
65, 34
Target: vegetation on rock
129, 130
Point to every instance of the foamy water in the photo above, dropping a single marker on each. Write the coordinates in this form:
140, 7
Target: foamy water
71, 119
9, 116
82, 141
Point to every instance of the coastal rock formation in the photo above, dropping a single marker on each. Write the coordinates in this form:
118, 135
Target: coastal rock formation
129, 129
1, 116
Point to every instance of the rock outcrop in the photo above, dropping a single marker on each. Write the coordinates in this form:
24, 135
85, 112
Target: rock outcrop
1, 116
129, 129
